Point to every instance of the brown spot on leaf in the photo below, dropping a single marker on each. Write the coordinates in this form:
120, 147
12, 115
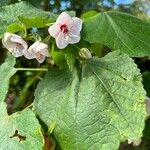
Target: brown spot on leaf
20, 137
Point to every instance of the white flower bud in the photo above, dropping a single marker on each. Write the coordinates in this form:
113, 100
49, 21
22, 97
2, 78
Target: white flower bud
14, 43
85, 53
38, 50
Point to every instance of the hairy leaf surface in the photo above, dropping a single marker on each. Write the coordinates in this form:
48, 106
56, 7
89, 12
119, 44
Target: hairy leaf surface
119, 31
96, 108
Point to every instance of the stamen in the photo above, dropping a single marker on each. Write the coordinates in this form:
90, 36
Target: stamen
64, 28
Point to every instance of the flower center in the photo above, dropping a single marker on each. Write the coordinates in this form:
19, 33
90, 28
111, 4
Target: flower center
18, 46
64, 28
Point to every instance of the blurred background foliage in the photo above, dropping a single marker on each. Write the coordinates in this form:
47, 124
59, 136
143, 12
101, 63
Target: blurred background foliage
136, 7
22, 85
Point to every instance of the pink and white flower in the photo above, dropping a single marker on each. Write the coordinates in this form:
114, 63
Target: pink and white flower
37, 50
14, 43
66, 30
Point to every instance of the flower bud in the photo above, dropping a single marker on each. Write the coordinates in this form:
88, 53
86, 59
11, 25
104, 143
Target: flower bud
85, 53
37, 50
14, 43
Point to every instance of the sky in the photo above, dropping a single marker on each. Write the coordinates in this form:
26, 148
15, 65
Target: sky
125, 2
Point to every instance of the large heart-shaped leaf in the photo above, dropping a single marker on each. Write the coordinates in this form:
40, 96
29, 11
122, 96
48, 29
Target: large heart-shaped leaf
119, 31
96, 107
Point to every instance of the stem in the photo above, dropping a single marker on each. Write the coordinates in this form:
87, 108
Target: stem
31, 69
77, 47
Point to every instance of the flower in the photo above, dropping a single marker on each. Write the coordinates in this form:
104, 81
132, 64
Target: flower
37, 50
66, 30
14, 43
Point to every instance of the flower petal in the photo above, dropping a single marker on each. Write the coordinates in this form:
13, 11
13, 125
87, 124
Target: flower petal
61, 41
76, 26
27, 54
64, 18
54, 30
6, 41
18, 39
40, 58
17, 52
73, 38
33, 47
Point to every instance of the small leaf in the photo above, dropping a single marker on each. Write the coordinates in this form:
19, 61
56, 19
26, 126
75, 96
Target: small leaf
96, 107
6, 71
119, 31
38, 22
14, 27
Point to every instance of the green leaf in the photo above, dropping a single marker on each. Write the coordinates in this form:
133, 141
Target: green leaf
4, 2
58, 56
95, 108
70, 58
89, 14
20, 131
2, 27
10, 14
119, 31
14, 27
146, 82
6, 71
34, 22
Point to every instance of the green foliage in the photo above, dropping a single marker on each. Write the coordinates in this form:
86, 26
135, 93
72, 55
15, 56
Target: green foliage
86, 104
6, 71
20, 131
92, 108
9, 14
119, 31
70, 58
89, 14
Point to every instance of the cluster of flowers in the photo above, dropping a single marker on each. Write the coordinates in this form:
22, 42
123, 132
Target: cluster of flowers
66, 30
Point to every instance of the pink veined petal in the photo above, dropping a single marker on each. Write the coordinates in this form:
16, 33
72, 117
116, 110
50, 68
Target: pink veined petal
40, 59
41, 46
18, 39
17, 52
33, 47
54, 30
76, 26
7, 43
73, 38
27, 54
64, 18
44, 52
61, 41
